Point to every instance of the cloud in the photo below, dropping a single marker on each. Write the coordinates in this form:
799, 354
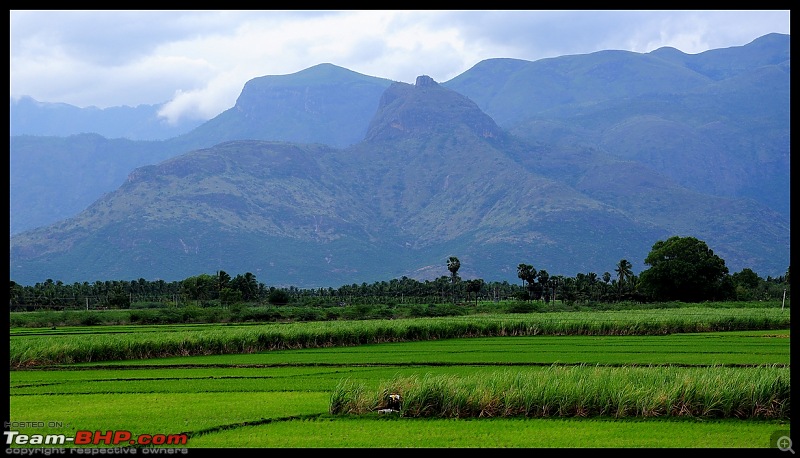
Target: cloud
199, 61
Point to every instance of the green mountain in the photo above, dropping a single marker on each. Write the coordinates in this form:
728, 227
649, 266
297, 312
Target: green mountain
434, 176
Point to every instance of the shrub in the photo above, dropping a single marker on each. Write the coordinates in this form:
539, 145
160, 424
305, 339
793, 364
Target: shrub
145, 317
90, 319
261, 314
278, 297
522, 307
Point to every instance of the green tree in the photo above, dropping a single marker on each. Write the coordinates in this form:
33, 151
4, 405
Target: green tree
746, 283
592, 278
544, 284
119, 299
527, 273
474, 286
522, 272
223, 280
229, 296
685, 269
247, 284
278, 297
453, 264
624, 274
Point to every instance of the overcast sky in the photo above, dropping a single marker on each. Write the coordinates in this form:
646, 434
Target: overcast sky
199, 61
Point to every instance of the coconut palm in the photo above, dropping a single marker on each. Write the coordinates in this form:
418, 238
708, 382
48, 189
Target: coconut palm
624, 274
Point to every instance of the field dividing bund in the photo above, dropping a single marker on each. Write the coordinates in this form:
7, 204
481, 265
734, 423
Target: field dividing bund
531, 385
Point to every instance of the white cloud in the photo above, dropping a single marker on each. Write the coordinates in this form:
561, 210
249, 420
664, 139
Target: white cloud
199, 61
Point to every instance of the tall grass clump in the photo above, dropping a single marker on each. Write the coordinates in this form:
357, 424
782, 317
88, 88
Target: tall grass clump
66, 348
586, 391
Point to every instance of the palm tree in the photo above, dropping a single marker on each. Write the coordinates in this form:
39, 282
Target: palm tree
544, 282
522, 272
557, 281
624, 274
528, 274
453, 264
474, 286
592, 277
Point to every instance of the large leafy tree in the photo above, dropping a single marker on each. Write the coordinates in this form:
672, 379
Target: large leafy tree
685, 269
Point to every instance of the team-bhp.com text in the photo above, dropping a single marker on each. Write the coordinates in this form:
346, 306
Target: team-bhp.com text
89, 438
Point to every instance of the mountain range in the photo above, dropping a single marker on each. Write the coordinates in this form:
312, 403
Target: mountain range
328, 177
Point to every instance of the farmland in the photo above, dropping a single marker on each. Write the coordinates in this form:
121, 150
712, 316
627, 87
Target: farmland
696, 377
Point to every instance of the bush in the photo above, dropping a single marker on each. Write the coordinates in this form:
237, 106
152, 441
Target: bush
522, 296
90, 319
444, 310
236, 308
358, 312
308, 314
145, 317
522, 307
147, 305
259, 314
278, 297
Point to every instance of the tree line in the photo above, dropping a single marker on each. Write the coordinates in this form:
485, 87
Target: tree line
680, 269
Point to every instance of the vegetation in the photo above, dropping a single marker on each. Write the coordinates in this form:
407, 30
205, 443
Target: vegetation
681, 269
26, 350
685, 269
581, 391
283, 398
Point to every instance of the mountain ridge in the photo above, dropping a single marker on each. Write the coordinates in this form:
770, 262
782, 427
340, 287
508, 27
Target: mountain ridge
433, 175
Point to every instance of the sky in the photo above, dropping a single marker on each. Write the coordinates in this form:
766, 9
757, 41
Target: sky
198, 61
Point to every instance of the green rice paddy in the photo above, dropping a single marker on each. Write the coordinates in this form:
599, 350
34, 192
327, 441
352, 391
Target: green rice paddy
288, 397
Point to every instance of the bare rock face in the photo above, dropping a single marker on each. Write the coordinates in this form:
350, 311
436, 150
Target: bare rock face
425, 81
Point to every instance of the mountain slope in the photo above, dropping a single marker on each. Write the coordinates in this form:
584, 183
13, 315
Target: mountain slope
323, 104
716, 122
433, 177
598, 157
52, 178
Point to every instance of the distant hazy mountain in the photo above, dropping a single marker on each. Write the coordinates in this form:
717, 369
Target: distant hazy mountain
322, 104
434, 176
716, 122
30, 117
639, 146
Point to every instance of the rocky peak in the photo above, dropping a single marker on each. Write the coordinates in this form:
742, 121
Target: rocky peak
425, 81
406, 111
